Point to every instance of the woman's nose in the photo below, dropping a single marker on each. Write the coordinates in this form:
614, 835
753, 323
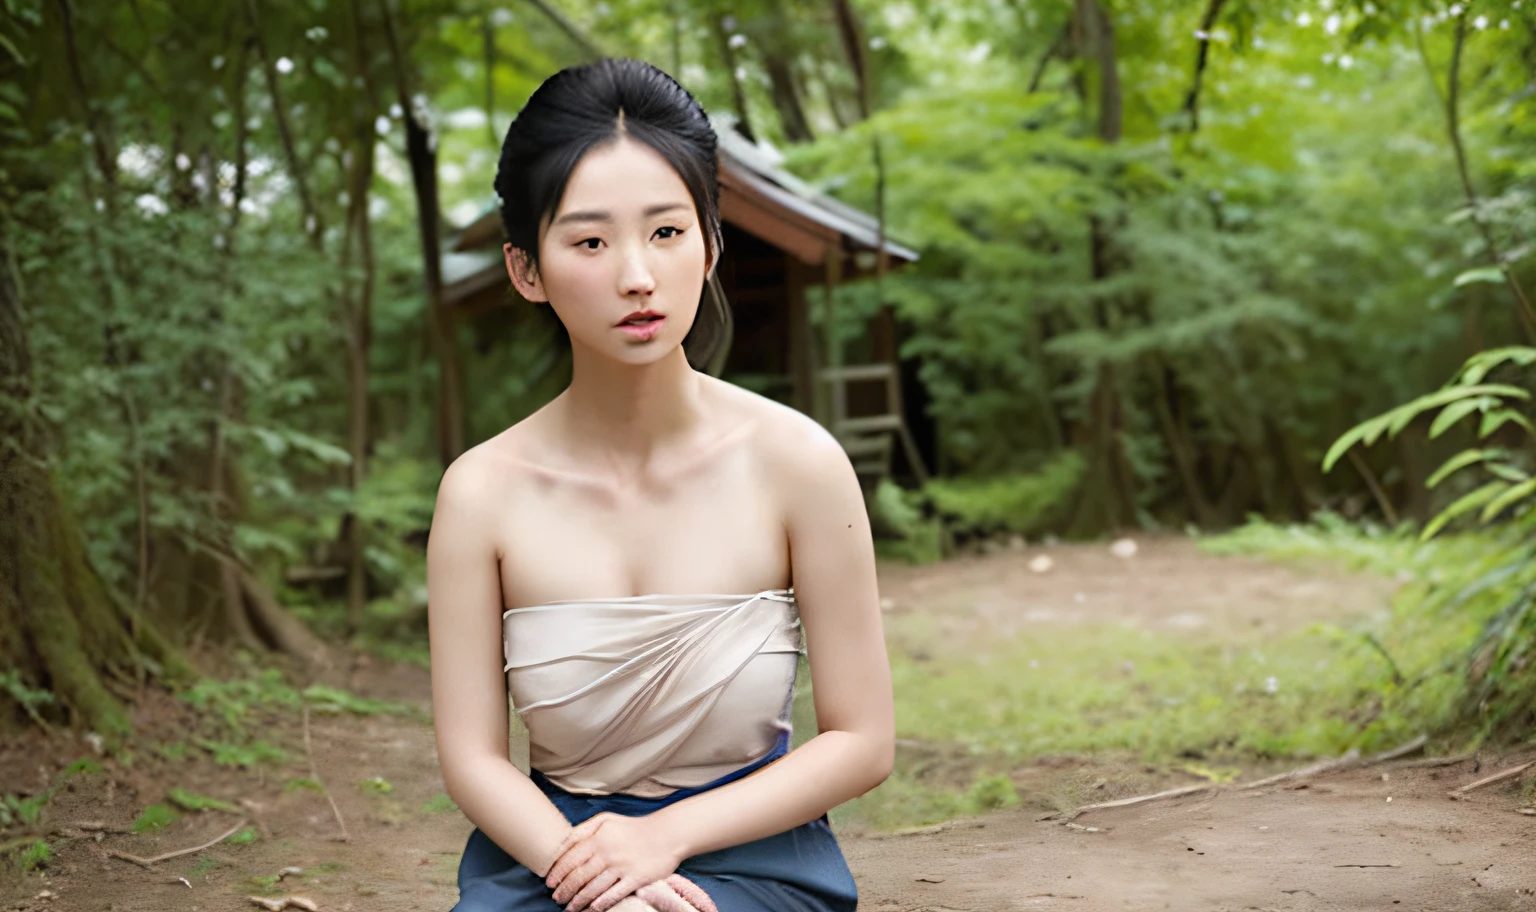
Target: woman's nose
636, 277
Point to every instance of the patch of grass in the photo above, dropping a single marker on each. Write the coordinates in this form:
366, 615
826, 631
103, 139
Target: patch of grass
15, 809
376, 785
245, 756
189, 801
85, 765
265, 883
205, 863
155, 817
175, 752
244, 837
1096, 688
439, 804
299, 783
37, 855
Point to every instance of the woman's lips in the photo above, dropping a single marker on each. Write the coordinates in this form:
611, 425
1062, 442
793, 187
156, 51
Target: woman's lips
643, 330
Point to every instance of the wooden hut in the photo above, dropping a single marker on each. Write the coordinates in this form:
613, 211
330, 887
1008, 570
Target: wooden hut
784, 243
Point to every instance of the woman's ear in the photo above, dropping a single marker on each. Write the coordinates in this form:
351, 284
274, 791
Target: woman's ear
525, 278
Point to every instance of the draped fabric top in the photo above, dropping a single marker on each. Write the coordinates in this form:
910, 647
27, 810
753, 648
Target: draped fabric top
649, 694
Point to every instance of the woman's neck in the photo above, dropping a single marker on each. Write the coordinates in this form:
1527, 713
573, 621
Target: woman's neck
617, 417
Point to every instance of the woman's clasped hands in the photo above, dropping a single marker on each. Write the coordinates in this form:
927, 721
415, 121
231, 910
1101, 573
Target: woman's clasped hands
611, 858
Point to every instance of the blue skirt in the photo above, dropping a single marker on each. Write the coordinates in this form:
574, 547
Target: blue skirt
800, 870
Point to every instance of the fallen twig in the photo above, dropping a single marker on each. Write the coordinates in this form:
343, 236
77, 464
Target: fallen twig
1436, 761
1350, 760
1496, 777
147, 862
309, 756
1365, 866
1124, 802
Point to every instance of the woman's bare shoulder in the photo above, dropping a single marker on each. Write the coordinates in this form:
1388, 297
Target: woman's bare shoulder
490, 468
788, 441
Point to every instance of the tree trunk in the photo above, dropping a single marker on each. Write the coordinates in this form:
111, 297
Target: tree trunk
1108, 496
357, 317
423, 158
786, 97
65, 632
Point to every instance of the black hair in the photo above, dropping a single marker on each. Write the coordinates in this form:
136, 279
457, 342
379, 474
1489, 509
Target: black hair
586, 106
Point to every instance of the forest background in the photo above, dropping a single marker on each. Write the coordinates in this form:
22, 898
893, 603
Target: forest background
1172, 253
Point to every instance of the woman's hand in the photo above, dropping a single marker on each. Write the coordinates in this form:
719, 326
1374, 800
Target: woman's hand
607, 858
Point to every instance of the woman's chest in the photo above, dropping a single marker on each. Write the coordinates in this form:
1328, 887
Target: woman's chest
718, 529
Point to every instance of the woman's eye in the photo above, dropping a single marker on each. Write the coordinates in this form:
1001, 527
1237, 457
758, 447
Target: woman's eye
675, 232
589, 241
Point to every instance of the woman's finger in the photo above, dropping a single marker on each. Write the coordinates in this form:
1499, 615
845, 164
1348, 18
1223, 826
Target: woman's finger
573, 858
692, 893
601, 886
578, 880
663, 898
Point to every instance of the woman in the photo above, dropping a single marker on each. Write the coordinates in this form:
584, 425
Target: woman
581, 551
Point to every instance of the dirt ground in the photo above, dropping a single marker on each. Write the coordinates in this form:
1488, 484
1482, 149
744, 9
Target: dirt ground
1386, 837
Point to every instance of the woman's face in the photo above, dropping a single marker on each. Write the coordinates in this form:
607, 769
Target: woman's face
625, 239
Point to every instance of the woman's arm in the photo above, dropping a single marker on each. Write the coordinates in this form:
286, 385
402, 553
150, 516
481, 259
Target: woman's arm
833, 565
469, 694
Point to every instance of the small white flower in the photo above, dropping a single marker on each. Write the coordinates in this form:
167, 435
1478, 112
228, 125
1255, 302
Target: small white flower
1346, 61
218, 62
317, 33
182, 161
1480, 23
737, 41
1332, 23
1304, 20
877, 43
1271, 685
150, 204
1202, 35
382, 125
395, 110
284, 65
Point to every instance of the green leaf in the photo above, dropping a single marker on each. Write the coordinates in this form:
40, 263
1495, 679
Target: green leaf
1465, 504
1513, 495
1460, 461
8, 47
1398, 418
1492, 421
1507, 472
1479, 365
1480, 274
1457, 411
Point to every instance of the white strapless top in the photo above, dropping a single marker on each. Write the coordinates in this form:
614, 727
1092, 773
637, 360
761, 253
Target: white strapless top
649, 694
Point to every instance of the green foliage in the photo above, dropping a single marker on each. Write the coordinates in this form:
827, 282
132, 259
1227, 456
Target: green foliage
1466, 609
302, 783
1024, 504
29, 699
34, 856
189, 801
375, 785
439, 804
246, 755
904, 533
990, 793
155, 817
15, 809
246, 836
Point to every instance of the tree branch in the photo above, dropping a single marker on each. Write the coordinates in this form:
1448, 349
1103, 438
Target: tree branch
1202, 56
